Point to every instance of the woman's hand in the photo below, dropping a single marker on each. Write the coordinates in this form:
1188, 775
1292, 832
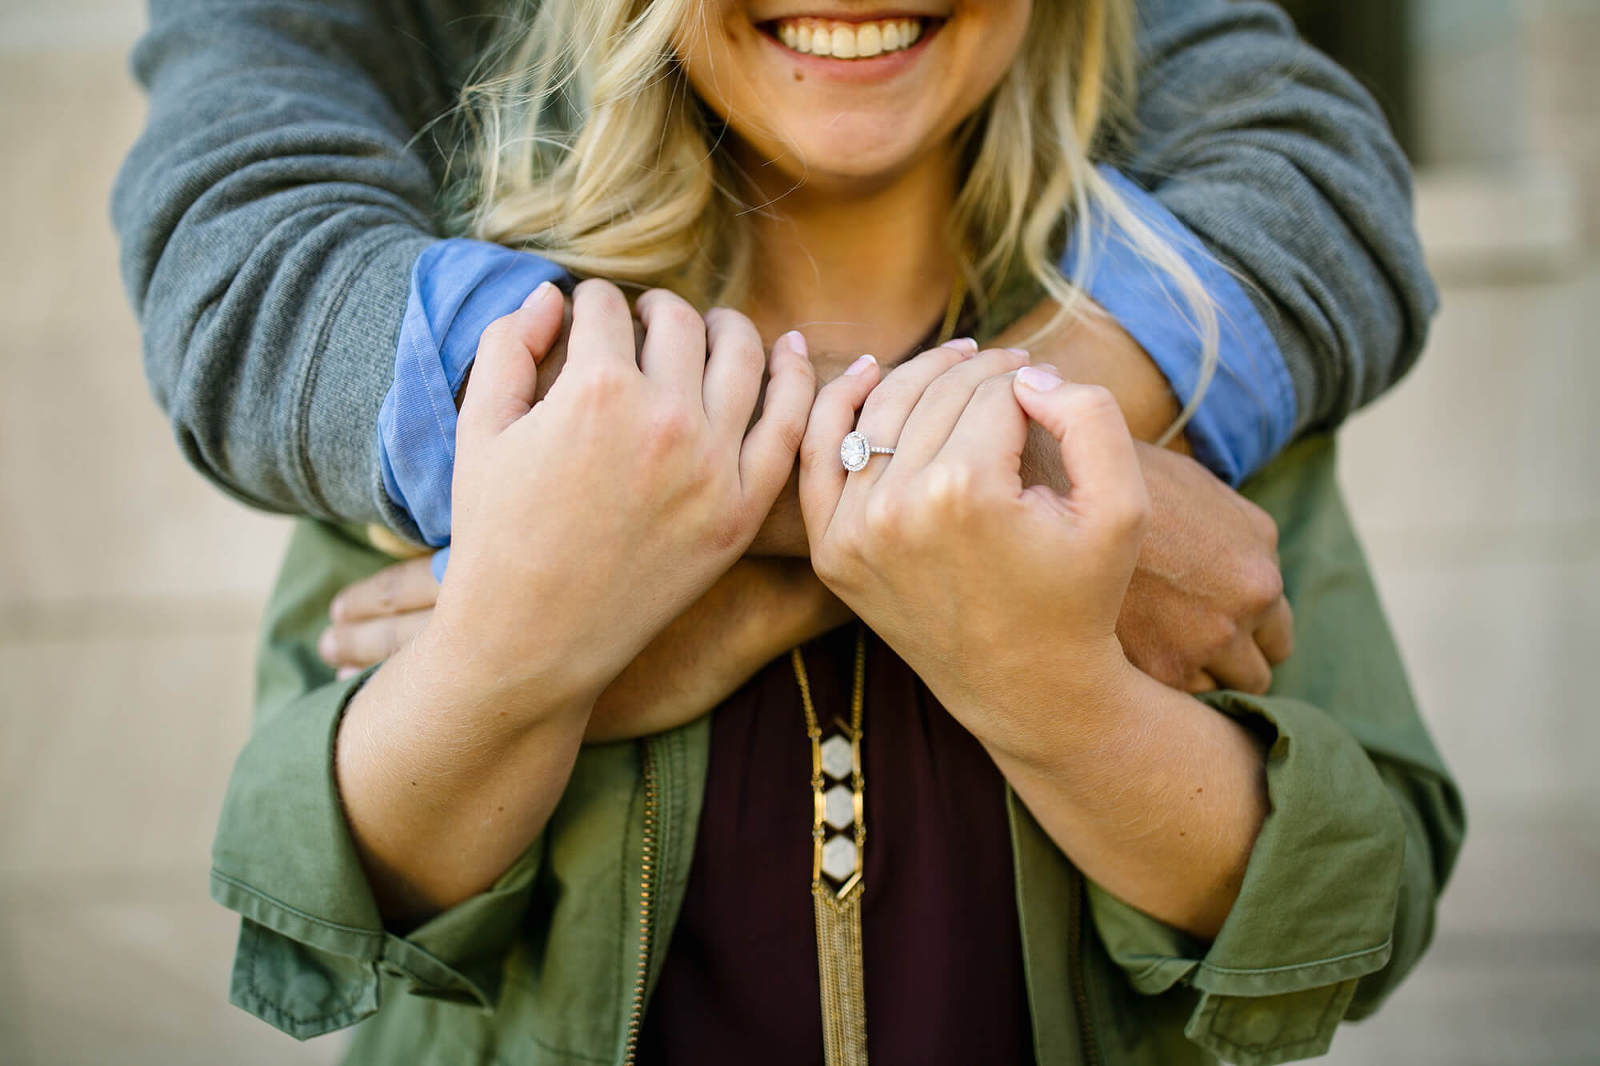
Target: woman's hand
584, 523
754, 612
1005, 599
949, 557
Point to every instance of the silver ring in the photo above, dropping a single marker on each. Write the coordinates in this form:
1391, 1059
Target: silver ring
855, 450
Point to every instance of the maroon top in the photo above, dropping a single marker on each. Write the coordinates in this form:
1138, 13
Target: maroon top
941, 946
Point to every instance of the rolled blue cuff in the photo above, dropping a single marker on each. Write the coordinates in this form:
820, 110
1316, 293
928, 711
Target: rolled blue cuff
1247, 414
458, 287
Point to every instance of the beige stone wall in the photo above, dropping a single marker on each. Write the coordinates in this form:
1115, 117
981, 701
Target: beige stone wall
129, 591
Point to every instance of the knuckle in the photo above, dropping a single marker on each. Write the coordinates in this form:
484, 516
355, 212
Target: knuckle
734, 321
729, 530
670, 427
791, 433
950, 385
992, 385
600, 383
669, 311
828, 561
389, 588
1126, 515
1214, 635
497, 334
1263, 583
599, 291
680, 315
1260, 681
948, 490
1262, 523
390, 638
883, 519
596, 296
1096, 400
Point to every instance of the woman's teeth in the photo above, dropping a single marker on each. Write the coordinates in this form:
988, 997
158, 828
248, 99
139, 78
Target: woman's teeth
848, 40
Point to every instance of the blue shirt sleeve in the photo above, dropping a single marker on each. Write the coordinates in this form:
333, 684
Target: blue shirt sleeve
1247, 413
458, 287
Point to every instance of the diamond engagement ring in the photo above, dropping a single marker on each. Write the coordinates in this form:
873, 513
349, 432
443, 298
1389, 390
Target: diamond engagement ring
854, 451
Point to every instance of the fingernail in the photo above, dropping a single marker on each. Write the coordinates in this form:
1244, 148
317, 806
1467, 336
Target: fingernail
346, 672
1024, 353
797, 341
860, 366
325, 645
966, 343
1038, 378
544, 289
336, 609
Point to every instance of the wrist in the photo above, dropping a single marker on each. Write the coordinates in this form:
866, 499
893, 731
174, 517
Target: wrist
465, 657
1064, 712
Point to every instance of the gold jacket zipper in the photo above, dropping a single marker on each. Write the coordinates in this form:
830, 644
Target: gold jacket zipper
1080, 993
647, 890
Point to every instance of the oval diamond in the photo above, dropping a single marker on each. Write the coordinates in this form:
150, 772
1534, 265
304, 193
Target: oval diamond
854, 451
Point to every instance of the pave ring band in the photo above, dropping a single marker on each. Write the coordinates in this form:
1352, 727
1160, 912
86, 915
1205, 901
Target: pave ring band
855, 450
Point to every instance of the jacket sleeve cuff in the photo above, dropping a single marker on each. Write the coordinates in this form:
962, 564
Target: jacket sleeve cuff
1247, 414
458, 287
1315, 912
313, 954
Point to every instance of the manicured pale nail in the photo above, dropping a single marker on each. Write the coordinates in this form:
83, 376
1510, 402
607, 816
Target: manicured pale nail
966, 343
346, 672
797, 341
326, 645
860, 366
1038, 378
1024, 353
542, 292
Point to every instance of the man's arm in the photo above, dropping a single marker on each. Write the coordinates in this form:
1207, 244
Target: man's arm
269, 217
1282, 165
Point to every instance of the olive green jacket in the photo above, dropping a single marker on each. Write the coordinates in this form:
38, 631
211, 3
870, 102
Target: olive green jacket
555, 963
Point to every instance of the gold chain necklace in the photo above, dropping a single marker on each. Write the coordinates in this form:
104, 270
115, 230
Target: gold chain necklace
838, 850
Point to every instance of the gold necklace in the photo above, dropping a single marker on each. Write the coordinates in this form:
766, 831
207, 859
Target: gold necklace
838, 850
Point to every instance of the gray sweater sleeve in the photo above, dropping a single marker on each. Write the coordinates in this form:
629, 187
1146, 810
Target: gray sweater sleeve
269, 217
1283, 165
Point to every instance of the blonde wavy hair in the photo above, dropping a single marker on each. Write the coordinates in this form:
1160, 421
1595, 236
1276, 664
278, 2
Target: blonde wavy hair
589, 146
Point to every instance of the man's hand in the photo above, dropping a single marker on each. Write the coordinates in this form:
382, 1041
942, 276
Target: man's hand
1205, 608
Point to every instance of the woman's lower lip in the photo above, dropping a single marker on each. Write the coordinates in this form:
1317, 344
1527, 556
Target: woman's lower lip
874, 68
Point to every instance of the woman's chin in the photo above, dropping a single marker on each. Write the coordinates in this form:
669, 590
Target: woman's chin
831, 164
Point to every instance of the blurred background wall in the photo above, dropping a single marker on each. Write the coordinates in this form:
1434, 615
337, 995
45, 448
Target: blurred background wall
129, 589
